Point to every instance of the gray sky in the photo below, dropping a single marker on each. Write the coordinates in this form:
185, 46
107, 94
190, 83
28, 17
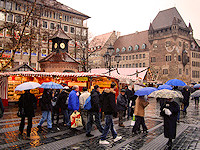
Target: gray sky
129, 16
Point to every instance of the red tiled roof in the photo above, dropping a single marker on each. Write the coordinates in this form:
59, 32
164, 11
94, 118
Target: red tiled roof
133, 39
100, 40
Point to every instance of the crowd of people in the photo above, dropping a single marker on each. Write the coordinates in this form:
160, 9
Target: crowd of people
103, 105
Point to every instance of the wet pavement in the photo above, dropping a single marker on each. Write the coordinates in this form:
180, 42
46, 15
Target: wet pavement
188, 133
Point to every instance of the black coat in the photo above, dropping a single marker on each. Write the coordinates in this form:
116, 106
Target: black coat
107, 101
122, 102
62, 98
186, 97
95, 96
45, 102
170, 121
28, 102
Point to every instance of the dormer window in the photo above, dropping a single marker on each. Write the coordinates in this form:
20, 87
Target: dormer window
136, 47
117, 50
123, 49
144, 46
130, 48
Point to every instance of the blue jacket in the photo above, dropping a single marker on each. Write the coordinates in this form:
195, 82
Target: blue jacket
73, 102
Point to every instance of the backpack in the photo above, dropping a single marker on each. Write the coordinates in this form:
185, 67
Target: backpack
87, 105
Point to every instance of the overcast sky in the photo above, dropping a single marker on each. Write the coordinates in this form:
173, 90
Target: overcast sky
129, 16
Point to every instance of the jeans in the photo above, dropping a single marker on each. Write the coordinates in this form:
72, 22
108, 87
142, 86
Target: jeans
46, 115
65, 115
55, 111
109, 126
91, 121
21, 127
139, 121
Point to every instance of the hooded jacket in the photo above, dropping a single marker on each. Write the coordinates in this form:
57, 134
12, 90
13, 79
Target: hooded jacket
95, 96
107, 101
45, 101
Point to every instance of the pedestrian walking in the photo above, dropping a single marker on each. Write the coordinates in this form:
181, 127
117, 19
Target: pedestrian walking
122, 102
139, 112
170, 112
55, 107
1, 108
85, 95
27, 103
94, 111
129, 94
63, 104
45, 104
109, 108
73, 102
186, 97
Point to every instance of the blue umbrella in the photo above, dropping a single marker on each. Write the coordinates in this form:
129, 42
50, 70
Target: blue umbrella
175, 82
165, 87
145, 91
51, 85
196, 86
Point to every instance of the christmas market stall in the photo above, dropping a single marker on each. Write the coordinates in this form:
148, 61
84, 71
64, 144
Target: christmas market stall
88, 80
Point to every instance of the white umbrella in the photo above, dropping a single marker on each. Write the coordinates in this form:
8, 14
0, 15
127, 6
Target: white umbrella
165, 93
27, 86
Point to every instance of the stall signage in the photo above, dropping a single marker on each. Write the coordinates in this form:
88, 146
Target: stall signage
82, 79
82, 84
103, 84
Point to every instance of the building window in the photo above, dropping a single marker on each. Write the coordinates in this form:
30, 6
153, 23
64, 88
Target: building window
133, 56
84, 32
18, 19
165, 71
117, 50
10, 17
18, 7
2, 3
130, 48
179, 57
168, 58
153, 59
78, 31
143, 55
123, 49
126, 57
123, 66
129, 57
180, 71
144, 46
136, 65
120, 66
140, 56
44, 24
126, 65
52, 26
66, 28
136, 56
35, 23
123, 57
187, 72
72, 30
140, 65
136, 47
129, 65
144, 65
2, 16
8, 5
133, 65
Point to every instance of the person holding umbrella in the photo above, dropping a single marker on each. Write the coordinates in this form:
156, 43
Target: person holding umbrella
27, 102
169, 111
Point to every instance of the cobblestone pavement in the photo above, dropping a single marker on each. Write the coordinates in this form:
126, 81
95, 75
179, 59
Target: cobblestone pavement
188, 133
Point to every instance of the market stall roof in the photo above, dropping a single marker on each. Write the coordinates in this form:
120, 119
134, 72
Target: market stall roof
23, 67
123, 73
51, 74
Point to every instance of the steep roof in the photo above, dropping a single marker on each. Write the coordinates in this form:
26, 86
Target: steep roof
100, 40
23, 67
61, 34
165, 18
133, 39
60, 6
58, 57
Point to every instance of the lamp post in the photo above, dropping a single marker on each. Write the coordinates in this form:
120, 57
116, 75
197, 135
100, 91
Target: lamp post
107, 57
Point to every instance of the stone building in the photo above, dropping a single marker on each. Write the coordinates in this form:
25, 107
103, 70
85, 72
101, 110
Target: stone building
46, 19
97, 48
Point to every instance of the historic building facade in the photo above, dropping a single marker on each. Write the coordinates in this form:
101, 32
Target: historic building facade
45, 20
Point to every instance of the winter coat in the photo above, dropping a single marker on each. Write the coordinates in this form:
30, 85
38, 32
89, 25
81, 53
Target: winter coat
2, 108
73, 102
28, 102
45, 101
140, 105
83, 98
62, 98
170, 121
186, 95
122, 102
107, 102
95, 98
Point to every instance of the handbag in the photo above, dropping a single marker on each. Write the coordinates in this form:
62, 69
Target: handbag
76, 120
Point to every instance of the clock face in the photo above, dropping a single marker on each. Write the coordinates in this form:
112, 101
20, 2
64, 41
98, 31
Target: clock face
55, 45
62, 45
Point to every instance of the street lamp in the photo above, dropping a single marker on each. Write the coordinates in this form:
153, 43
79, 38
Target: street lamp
118, 58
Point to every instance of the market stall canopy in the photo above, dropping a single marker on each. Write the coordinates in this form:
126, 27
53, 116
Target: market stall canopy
124, 73
23, 67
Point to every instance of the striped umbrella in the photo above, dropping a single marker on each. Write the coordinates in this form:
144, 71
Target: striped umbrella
165, 93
